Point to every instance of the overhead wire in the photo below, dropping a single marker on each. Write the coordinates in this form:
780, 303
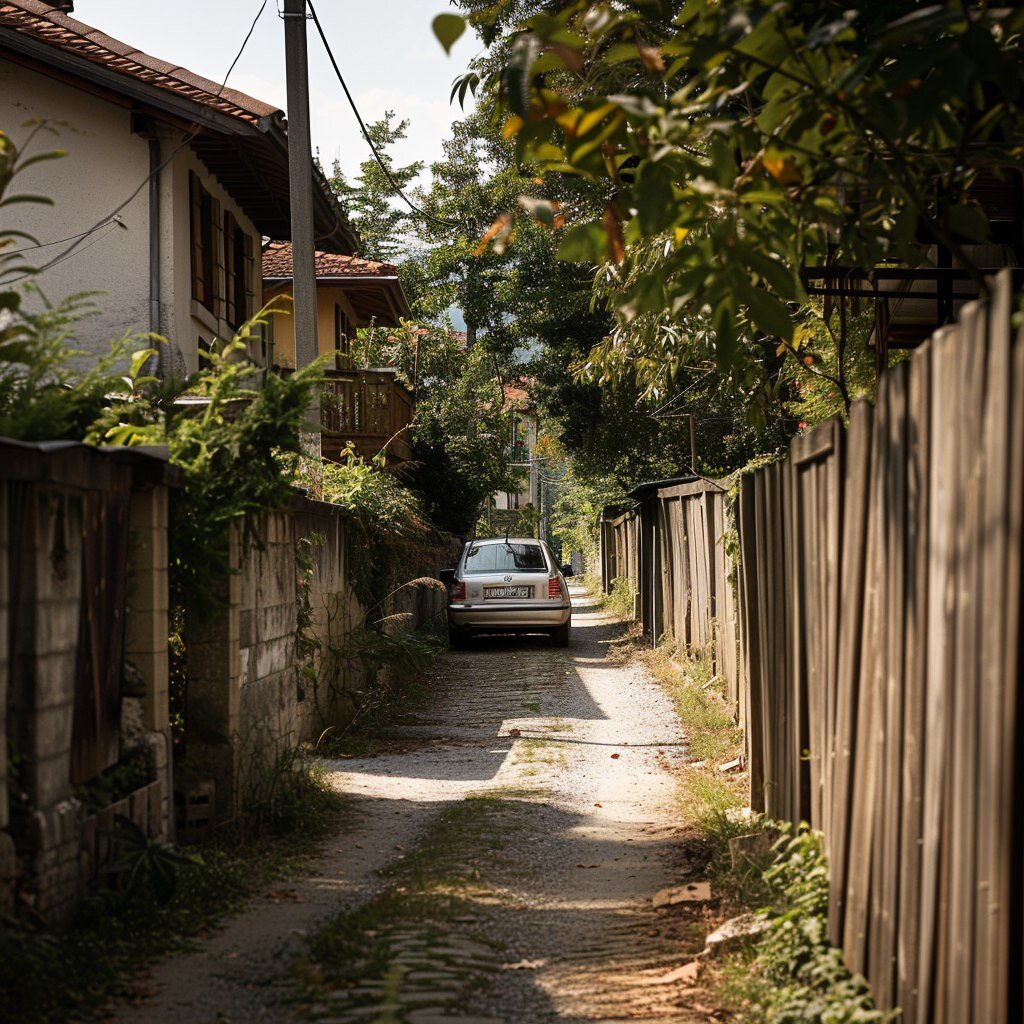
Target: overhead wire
46, 245
399, 191
77, 240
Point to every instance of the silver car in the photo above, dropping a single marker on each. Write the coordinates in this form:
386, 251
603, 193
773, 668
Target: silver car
507, 585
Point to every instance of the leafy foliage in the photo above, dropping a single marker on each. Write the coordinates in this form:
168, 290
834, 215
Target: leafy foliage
460, 434
137, 860
736, 143
237, 439
371, 200
798, 976
48, 389
374, 497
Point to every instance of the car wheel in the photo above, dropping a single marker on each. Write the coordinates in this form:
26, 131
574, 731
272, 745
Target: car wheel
458, 639
560, 636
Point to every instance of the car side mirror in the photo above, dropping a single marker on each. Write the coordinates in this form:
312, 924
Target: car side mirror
447, 576
566, 570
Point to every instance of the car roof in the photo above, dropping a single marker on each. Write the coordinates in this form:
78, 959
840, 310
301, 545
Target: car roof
503, 540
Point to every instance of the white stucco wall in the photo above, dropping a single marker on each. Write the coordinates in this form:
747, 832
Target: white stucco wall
104, 164
182, 319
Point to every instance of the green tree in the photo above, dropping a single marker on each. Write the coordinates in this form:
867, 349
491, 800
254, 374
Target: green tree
753, 139
382, 219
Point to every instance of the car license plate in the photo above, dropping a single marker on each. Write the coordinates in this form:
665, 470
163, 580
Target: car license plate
504, 592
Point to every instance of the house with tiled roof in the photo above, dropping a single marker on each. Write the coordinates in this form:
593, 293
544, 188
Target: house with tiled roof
524, 430
351, 292
169, 184
369, 408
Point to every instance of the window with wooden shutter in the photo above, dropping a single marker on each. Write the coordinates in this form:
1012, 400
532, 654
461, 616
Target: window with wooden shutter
200, 241
239, 268
248, 276
220, 270
207, 247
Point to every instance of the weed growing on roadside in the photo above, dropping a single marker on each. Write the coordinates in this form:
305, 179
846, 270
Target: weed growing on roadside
620, 600
711, 731
52, 974
793, 975
284, 793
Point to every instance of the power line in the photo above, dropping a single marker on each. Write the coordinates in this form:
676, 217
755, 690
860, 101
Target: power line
77, 240
366, 135
46, 245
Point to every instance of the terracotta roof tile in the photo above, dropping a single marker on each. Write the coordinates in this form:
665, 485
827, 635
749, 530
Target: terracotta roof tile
49, 25
277, 263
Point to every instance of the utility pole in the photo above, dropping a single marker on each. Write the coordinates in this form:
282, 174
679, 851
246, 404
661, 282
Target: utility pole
300, 191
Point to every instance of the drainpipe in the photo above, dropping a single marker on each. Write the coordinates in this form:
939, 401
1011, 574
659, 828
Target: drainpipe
154, 254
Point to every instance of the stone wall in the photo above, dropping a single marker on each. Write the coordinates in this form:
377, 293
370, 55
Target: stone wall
266, 672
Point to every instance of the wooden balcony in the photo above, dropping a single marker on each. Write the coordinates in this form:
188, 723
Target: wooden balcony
370, 409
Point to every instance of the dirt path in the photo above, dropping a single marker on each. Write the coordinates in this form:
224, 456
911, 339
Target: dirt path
575, 755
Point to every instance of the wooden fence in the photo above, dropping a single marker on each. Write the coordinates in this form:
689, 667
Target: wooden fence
672, 549
879, 599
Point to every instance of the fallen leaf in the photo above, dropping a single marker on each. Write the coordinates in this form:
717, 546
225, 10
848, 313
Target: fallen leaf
524, 965
514, 732
693, 892
616, 756
597, 805
687, 973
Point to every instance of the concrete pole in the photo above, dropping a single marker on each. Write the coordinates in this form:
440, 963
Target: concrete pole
300, 173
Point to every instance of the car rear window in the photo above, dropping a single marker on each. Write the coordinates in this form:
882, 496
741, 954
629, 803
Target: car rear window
485, 558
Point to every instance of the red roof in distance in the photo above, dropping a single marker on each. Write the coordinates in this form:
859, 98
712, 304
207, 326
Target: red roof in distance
277, 264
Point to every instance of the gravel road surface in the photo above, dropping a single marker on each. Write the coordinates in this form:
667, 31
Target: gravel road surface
581, 749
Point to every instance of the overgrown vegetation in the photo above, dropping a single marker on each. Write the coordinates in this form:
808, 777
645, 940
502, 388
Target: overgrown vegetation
52, 974
793, 975
790, 975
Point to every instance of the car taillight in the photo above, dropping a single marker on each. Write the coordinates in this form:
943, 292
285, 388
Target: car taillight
554, 587
457, 591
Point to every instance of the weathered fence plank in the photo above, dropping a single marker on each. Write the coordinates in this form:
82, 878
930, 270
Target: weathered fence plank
872, 640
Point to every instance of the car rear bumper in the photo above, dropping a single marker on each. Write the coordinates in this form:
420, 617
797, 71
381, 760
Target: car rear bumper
474, 616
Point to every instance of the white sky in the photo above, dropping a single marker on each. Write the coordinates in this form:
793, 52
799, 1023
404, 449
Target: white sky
385, 49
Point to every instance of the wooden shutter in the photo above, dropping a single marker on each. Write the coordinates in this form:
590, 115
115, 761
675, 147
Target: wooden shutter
248, 271
230, 269
195, 191
219, 281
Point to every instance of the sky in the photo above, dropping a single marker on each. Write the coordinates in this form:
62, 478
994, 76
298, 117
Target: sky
385, 49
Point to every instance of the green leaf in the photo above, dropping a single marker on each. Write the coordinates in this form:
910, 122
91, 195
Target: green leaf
139, 359
653, 197
583, 243
767, 313
519, 72
775, 272
448, 28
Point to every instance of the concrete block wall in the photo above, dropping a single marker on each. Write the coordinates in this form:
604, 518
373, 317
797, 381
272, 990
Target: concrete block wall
211, 757
5, 810
326, 700
8, 855
268, 672
147, 626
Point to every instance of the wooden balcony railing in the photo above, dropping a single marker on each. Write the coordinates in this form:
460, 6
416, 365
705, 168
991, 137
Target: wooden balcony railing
368, 408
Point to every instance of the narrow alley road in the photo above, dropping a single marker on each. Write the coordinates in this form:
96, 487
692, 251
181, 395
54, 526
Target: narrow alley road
555, 768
